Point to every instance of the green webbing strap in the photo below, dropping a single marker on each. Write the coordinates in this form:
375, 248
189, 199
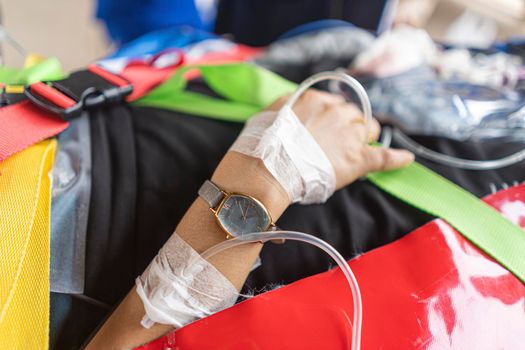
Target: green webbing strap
249, 88
246, 89
47, 69
477, 221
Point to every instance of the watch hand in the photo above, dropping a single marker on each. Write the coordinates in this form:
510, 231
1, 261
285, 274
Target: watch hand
242, 212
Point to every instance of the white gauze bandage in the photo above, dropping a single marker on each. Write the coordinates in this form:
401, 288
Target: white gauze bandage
290, 153
179, 286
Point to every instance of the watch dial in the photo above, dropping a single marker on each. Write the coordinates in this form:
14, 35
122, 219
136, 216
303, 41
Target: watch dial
241, 215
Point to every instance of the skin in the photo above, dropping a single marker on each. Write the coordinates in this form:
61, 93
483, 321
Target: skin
338, 128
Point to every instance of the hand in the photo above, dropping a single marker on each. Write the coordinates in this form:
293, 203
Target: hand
340, 129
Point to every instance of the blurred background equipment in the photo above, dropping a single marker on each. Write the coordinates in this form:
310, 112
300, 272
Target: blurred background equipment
256, 22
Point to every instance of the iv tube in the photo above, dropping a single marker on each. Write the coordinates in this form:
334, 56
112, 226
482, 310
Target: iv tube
409, 144
460, 163
344, 78
303, 237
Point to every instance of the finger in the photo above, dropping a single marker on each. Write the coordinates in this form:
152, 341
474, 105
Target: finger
357, 122
374, 130
382, 158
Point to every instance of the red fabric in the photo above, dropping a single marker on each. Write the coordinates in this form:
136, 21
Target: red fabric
112, 78
145, 78
23, 124
430, 290
238, 54
47, 92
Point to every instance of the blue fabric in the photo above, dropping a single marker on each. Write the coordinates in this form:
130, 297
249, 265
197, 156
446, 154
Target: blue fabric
159, 40
315, 26
71, 193
127, 20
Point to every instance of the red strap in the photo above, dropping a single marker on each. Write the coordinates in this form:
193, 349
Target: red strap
104, 74
145, 78
47, 92
23, 124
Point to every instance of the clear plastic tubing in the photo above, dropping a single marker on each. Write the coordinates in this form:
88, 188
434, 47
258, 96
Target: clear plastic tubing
409, 144
304, 237
344, 78
460, 163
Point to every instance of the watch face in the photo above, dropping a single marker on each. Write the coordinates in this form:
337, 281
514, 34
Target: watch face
240, 215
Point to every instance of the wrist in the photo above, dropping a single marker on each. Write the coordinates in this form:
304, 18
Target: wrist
243, 174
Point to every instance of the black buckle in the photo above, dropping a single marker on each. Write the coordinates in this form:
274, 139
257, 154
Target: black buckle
81, 91
11, 94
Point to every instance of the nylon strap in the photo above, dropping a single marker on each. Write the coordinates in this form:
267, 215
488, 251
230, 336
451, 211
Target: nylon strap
25, 188
24, 124
249, 88
477, 221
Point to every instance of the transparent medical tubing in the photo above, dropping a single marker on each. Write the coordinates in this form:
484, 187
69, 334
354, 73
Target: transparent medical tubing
344, 78
304, 237
440, 158
411, 145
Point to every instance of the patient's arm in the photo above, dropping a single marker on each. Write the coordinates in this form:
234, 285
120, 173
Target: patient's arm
236, 173
336, 127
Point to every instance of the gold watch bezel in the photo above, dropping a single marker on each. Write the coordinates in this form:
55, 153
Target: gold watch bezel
227, 195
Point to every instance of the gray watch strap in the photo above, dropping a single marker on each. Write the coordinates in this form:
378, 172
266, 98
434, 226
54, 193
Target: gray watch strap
211, 193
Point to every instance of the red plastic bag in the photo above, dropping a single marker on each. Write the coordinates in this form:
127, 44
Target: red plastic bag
432, 289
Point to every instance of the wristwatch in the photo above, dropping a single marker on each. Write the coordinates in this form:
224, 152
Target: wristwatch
237, 214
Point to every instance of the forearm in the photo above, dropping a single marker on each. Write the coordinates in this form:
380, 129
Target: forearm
235, 173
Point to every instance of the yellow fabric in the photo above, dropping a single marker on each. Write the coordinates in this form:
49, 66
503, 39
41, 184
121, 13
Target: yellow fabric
14, 89
32, 59
25, 193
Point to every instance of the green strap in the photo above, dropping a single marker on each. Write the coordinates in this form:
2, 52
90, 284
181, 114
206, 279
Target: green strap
477, 221
249, 88
246, 89
48, 69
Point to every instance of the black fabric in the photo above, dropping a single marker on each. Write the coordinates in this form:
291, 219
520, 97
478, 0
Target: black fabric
111, 236
260, 22
480, 183
73, 319
10, 98
78, 82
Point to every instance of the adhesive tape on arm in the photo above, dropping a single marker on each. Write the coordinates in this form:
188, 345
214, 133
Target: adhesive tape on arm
290, 153
179, 286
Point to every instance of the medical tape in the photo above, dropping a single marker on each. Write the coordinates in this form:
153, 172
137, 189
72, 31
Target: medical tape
179, 287
290, 153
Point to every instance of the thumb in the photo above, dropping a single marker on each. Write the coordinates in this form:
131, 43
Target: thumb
383, 158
